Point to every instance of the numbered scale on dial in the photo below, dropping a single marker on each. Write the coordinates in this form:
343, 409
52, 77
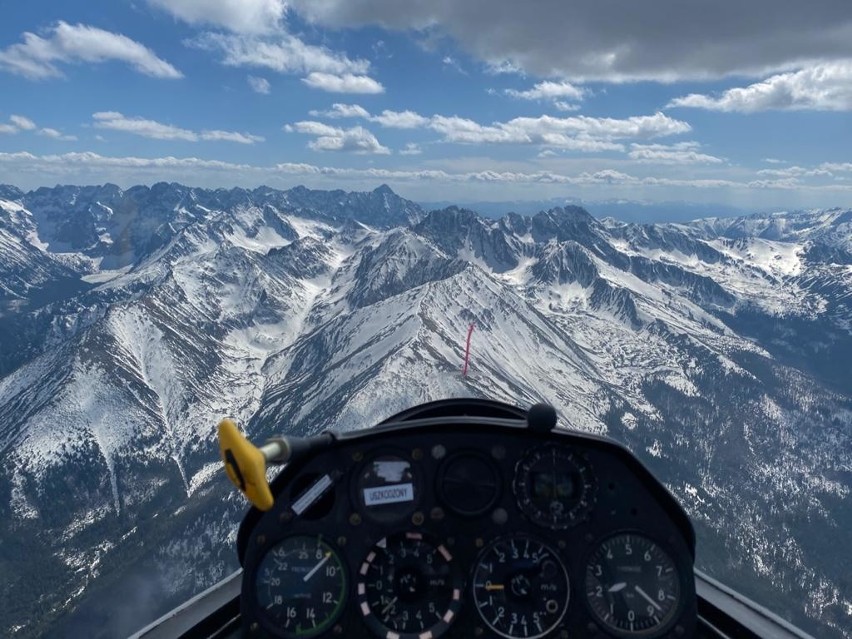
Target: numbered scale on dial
633, 586
409, 587
300, 587
520, 587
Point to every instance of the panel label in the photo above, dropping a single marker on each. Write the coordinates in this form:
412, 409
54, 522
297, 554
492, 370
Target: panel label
388, 494
312, 494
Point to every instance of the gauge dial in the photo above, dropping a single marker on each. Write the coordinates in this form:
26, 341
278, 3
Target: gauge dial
469, 484
554, 487
388, 488
632, 586
409, 587
520, 587
301, 587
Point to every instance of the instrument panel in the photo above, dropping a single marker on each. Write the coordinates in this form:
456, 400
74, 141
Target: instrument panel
468, 528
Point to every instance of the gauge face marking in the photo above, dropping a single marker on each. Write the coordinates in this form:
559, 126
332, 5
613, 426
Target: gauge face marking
632, 585
520, 587
409, 587
554, 487
301, 587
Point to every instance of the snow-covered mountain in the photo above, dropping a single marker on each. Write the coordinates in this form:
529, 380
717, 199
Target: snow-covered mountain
132, 320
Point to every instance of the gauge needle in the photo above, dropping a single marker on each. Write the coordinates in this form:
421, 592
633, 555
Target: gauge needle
495, 587
317, 567
647, 598
390, 605
621, 585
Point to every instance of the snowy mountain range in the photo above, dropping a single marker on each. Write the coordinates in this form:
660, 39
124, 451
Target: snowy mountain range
132, 320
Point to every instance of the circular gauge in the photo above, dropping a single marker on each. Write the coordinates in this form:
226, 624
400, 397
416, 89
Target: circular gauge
409, 587
301, 587
554, 487
520, 587
632, 586
469, 484
388, 488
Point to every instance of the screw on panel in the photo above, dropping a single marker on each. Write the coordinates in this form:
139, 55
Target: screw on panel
254, 627
589, 538
341, 541
438, 451
417, 454
355, 519
261, 539
561, 543
338, 629
498, 452
563, 634
285, 517
357, 456
479, 543
417, 518
479, 631
436, 514
680, 631
500, 516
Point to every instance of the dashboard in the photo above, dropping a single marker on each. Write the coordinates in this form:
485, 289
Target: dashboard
465, 523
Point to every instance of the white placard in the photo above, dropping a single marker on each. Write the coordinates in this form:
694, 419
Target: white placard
392, 494
311, 495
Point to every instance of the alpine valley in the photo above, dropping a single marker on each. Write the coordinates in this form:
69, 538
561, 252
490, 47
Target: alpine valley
132, 321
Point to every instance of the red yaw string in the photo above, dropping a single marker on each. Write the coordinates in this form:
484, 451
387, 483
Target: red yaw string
467, 350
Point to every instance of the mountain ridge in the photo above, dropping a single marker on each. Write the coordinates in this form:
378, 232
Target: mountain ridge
705, 347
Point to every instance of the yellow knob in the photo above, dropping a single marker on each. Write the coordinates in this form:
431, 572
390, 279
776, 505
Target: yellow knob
245, 465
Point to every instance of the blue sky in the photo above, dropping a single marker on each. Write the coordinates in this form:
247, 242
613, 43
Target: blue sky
746, 104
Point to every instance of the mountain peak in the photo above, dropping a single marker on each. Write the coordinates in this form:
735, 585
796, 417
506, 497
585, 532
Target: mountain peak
383, 189
9, 192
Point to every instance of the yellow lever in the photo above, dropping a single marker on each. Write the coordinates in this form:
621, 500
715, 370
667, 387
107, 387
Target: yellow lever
245, 465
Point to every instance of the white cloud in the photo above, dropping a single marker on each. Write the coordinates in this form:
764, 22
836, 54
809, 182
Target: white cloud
339, 110
56, 135
565, 106
259, 85
37, 57
389, 119
346, 83
22, 123
774, 161
824, 170
328, 138
141, 126
230, 136
580, 133
617, 40
283, 53
451, 62
836, 167
411, 149
549, 91
25, 124
400, 119
159, 131
821, 87
244, 16
503, 67
548, 153
681, 153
